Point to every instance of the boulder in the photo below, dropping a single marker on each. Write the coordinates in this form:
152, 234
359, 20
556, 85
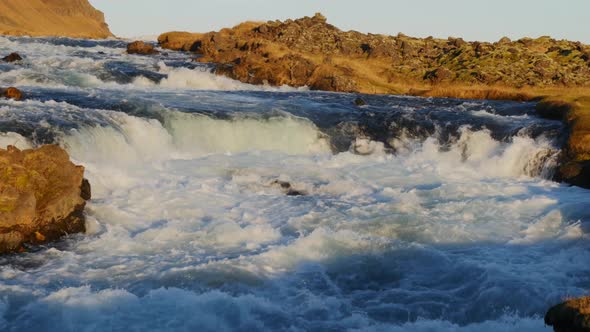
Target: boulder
570, 316
12, 57
142, 48
439, 75
42, 196
576, 173
504, 41
11, 93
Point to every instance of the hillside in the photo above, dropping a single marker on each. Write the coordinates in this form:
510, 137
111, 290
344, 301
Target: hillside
64, 18
311, 52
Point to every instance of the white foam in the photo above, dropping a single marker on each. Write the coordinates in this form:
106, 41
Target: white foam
201, 78
14, 139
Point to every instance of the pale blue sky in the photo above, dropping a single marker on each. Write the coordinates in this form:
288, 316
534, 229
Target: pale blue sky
471, 19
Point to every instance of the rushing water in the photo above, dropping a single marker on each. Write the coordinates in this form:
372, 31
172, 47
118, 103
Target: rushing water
413, 214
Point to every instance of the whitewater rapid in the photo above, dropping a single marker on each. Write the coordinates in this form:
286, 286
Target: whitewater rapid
414, 214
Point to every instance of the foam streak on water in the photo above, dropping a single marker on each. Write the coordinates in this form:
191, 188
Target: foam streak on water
416, 214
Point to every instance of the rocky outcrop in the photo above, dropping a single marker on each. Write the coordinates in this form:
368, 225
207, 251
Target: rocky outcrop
63, 18
42, 196
575, 160
309, 51
11, 93
142, 48
570, 316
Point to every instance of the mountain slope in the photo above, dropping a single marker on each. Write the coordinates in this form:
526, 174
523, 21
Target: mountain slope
64, 18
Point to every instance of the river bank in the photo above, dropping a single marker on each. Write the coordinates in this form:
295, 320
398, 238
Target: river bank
310, 52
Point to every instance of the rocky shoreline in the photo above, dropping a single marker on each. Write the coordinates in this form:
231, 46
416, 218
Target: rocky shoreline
310, 52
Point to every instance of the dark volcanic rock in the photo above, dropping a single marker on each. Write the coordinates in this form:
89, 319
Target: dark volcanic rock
576, 173
360, 101
287, 189
12, 57
570, 316
552, 110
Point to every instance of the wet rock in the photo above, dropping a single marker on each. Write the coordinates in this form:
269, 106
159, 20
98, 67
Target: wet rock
11, 93
570, 316
42, 196
85, 190
142, 48
576, 173
553, 110
12, 57
360, 101
287, 189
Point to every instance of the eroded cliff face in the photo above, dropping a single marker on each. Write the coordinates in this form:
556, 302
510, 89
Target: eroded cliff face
62, 18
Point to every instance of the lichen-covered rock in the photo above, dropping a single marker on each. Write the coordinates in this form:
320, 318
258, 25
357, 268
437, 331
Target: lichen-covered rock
42, 196
570, 316
139, 47
309, 51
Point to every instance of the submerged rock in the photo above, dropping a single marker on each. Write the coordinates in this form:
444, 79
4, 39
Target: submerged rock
42, 196
11, 93
570, 316
360, 101
12, 57
139, 47
287, 188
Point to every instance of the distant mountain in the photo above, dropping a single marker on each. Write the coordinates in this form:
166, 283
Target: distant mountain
63, 18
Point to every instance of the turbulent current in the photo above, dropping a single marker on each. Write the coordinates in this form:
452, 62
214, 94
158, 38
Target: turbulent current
222, 206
